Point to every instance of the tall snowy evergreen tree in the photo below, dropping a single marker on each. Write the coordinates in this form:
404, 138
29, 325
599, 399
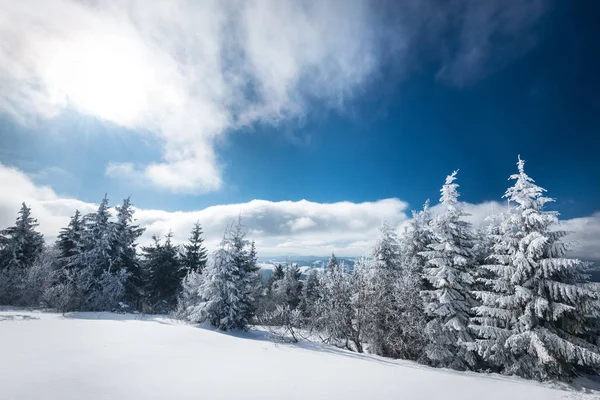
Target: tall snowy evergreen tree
124, 250
21, 244
415, 239
100, 283
310, 295
288, 290
163, 274
385, 272
449, 271
69, 238
335, 312
533, 317
228, 284
332, 264
97, 240
194, 255
277, 274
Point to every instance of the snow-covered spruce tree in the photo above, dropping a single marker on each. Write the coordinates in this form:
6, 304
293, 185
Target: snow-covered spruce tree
385, 269
310, 296
69, 238
335, 313
277, 274
20, 246
194, 255
162, 274
359, 301
100, 284
415, 239
332, 264
287, 291
532, 320
449, 271
283, 316
189, 295
124, 250
227, 284
39, 279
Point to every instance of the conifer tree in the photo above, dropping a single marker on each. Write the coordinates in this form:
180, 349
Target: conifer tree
277, 274
335, 309
190, 294
532, 321
385, 270
163, 274
124, 251
415, 239
449, 271
21, 244
97, 239
310, 295
332, 264
228, 284
99, 282
69, 239
194, 255
287, 291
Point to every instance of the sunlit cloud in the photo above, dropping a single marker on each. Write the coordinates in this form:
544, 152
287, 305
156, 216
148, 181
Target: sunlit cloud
188, 72
279, 228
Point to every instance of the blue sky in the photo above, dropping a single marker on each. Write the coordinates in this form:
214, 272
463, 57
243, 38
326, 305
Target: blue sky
332, 102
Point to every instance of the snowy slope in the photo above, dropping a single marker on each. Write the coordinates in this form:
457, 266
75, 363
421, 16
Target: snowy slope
110, 356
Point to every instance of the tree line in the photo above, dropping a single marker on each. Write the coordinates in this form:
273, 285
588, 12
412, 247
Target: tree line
95, 264
504, 298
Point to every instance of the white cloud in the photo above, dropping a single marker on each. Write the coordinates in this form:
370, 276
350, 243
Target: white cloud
283, 227
586, 236
187, 71
52, 210
190, 71
279, 228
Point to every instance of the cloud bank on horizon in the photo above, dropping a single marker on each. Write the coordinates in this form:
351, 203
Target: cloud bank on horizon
279, 228
188, 72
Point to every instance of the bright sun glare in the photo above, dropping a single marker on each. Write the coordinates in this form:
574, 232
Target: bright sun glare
102, 76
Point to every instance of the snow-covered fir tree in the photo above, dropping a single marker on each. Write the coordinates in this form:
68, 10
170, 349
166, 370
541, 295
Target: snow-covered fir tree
21, 244
287, 291
124, 250
335, 312
96, 243
359, 301
99, 283
162, 274
332, 264
415, 239
228, 283
38, 280
276, 275
449, 271
310, 295
278, 272
189, 295
533, 318
385, 270
69, 238
194, 255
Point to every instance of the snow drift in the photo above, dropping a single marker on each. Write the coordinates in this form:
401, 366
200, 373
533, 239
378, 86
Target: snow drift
111, 356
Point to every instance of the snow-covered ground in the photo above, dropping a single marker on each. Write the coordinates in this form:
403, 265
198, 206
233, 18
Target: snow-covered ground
110, 356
